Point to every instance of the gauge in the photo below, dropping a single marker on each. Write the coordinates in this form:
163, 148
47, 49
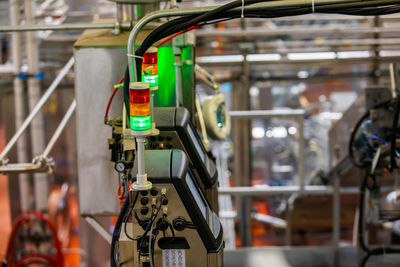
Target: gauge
119, 166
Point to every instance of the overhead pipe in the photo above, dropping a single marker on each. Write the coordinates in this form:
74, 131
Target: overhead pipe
71, 27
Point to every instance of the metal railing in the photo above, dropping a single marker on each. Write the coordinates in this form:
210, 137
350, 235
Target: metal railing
41, 163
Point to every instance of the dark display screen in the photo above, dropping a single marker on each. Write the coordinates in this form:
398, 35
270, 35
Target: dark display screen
196, 142
196, 195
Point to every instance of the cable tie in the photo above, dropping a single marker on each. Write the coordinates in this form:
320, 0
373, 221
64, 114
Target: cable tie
242, 14
312, 6
135, 56
119, 85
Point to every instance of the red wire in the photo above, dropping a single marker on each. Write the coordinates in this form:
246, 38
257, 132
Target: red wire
176, 34
111, 98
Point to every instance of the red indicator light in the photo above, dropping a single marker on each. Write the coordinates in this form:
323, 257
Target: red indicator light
150, 57
137, 96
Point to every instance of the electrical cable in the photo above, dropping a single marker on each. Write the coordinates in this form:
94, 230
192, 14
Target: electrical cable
175, 35
355, 130
225, 12
112, 97
394, 134
176, 25
172, 230
152, 219
117, 229
150, 249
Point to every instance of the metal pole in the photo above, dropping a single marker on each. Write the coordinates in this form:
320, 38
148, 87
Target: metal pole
336, 219
65, 27
260, 114
22, 149
301, 167
59, 129
37, 108
287, 190
99, 228
34, 92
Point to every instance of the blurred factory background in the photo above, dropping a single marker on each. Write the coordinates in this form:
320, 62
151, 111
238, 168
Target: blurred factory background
295, 88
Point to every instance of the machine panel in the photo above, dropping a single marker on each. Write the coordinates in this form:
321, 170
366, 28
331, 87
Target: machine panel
196, 230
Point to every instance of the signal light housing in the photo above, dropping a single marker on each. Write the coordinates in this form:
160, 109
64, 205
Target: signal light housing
140, 113
149, 67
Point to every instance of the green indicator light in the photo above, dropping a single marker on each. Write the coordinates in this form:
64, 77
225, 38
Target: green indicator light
140, 123
151, 79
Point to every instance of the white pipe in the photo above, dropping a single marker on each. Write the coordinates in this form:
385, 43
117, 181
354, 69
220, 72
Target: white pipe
302, 156
99, 228
265, 190
19, 108
268, 219
34, 93
59, 129
141, 175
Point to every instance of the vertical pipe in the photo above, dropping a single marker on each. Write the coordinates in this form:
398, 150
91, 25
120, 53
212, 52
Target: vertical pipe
141, 165
178, 78
34, 92
336, 220
120, 12
19, 104
301, 155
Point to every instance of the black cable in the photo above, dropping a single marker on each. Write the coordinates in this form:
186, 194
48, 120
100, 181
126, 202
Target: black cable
182, 23
365, 259
225, 12
117, 231
172, 230
126, 93
173, 26
152, 219
394, 134
361, 200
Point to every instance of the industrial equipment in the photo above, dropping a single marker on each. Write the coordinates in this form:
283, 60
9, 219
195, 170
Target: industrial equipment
165, 178
172, 224
177, 132
373, 149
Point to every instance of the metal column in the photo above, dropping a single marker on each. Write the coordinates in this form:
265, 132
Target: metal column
19, 104
336, 220
34, 93
242, 173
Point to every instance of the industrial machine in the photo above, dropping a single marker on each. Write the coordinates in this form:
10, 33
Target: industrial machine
172, 224
177, 132
373, 149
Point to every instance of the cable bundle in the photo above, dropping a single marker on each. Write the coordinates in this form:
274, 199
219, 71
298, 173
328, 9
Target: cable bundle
231, 11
